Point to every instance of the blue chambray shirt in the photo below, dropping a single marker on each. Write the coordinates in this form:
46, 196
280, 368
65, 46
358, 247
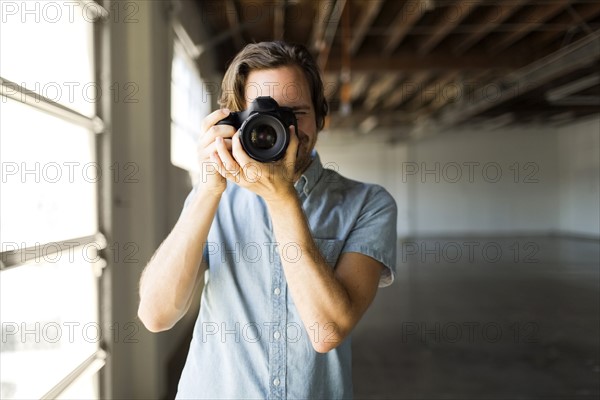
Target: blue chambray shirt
249, 341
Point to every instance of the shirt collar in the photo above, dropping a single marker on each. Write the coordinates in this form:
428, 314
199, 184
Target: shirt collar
310, 176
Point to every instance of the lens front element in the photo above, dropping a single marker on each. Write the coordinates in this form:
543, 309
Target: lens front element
264, 137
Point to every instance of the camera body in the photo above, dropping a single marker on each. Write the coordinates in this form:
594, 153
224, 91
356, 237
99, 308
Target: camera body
264, 132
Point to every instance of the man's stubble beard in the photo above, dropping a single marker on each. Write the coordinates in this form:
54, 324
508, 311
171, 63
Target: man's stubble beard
303, 159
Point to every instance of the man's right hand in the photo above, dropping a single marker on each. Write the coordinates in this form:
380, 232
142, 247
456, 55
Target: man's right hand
210, 179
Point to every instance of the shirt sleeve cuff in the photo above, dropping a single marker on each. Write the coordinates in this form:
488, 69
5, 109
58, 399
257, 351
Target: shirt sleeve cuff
388, 274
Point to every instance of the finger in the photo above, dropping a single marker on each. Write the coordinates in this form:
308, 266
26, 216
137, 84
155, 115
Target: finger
225, 131
212, 147
238, 151
292, 150
251, 169
214, 158
213, 118
228, 162
205, 152
232, 176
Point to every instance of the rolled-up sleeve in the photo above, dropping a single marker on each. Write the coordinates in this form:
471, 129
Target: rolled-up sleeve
374, 233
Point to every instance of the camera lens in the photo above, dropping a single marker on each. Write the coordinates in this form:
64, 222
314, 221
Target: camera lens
263, 137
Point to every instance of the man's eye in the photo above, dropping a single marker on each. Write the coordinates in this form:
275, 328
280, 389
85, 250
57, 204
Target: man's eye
297, 113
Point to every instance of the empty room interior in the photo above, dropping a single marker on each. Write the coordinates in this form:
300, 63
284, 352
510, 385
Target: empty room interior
479, 120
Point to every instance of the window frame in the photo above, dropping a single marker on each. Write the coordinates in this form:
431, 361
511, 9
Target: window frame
183, 46
96, 363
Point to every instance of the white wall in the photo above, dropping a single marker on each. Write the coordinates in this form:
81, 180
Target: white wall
368, 161
579, 166
447, 183
507, 184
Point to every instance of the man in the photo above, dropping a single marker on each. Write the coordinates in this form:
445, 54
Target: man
293, 252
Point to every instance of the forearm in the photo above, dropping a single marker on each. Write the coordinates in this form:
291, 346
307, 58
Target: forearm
323, 303
170, 278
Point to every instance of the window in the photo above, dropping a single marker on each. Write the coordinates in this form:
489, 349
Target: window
49, 239
190, 102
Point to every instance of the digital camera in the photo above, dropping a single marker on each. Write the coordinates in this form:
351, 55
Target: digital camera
264, 128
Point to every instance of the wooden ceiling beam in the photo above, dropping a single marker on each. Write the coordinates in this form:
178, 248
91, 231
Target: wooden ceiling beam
279, 20
331, 84
573, 102
581, 54
573, 87
464, 88
409, 15
432, 92
584, 13
322, 13
384, 119
381, 88
454, 15
368, 15
529, 20
410, 88
233, 19
494, 17
360, 83
329, 33
440, 61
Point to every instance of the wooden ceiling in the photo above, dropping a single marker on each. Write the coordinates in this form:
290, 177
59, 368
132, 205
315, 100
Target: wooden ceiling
400, 64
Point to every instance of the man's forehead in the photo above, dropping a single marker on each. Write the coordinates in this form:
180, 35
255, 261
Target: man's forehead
287, 85
269, 88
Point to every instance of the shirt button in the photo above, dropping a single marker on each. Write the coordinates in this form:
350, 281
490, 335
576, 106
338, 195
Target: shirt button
276, 382
277, 335
277, 291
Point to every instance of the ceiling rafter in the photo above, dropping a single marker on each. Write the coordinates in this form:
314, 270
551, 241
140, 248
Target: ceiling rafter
494, 17
579, 102
233, 19
438, 60
573, 87
449, 21
360, 83
323, 10
381, 88
385, 120
581, 54
584, 13
410, 88
331, 84
432, 92
368, 15
458, 90
529, 20
279, 20
330, 31
409, 15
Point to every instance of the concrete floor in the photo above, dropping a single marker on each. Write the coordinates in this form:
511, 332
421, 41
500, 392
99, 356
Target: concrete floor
484, 318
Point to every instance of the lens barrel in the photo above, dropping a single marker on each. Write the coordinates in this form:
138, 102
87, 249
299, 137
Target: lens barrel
264, 137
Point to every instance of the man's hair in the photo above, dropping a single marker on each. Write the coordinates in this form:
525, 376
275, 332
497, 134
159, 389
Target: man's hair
269, 55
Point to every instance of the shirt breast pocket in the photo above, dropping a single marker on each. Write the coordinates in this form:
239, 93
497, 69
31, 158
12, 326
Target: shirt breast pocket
330, 249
